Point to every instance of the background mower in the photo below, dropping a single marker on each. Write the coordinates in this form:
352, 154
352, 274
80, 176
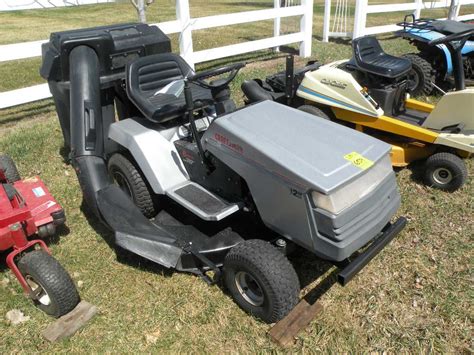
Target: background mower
369, 93
27, 209
179, 165
433, 64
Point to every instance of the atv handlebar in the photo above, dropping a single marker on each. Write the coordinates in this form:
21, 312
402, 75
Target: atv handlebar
452, 37
233, 69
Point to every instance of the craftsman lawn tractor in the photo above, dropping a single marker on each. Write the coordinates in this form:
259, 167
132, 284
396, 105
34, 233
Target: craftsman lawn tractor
369, 93
433, 63
27, 209
149, 136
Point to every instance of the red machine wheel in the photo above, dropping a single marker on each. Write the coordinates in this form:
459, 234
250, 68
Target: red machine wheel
9, 168
54, 290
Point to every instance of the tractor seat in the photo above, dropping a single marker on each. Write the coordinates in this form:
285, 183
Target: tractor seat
370, 57
147, 75
448, 27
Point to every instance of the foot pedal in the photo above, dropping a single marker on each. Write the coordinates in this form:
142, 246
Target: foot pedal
202, 202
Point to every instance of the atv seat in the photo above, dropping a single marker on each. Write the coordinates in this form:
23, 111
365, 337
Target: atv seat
370, 57
147, 75
448, 27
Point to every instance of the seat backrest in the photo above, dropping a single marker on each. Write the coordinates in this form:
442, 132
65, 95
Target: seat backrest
153, 72
148, 74
366, 49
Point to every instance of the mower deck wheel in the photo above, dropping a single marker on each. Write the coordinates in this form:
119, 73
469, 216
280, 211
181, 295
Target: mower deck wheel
420, 77
54, 290
261, 280
11, 171
445, 171
127, 176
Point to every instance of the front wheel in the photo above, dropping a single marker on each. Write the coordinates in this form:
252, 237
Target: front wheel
261, 280
445, 171
53, 289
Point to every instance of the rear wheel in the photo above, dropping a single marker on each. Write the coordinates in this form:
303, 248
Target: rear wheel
445, 171
129, 179
261, 280
54, 290
9, 168
420, 77
314, 111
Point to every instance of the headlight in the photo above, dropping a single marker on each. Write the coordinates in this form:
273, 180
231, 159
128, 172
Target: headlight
346, 196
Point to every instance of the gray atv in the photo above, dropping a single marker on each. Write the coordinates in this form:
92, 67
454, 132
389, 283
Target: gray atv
187, 180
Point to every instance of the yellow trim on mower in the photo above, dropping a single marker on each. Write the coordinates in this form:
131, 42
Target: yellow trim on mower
419, 105
387, 124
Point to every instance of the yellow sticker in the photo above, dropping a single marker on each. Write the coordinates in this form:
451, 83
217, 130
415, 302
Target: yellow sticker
358, 160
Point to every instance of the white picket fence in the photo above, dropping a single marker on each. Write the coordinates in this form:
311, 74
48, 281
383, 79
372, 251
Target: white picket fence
13, 5
185, 25
363, 9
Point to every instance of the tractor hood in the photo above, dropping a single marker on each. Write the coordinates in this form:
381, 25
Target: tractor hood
307, 152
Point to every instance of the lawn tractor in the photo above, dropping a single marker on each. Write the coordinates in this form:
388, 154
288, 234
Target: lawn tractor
27, 209
186, 180
433, 63
370, 94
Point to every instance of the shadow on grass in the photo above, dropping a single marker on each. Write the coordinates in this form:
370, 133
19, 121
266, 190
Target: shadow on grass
416, 169
249, 4
336, 40
28, 112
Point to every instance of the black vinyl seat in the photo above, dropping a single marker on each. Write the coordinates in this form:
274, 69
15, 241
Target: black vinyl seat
147, 75
370, 57
448, 27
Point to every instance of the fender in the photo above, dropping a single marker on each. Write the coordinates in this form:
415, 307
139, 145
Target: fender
148, 147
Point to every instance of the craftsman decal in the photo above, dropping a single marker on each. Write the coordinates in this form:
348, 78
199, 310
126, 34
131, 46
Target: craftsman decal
224, 140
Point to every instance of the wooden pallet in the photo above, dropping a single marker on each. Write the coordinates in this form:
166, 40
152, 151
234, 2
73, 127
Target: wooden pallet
284, 332
70, 323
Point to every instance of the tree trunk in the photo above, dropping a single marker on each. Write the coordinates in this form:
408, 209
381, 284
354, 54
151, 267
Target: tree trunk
141, 11
140, 6
453, 10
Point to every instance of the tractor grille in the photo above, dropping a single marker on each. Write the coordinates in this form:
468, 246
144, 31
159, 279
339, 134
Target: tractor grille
369, 214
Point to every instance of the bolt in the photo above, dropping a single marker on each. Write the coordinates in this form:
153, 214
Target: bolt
15, 227
280, 243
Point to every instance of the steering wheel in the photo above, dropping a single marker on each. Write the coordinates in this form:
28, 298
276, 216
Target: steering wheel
233, 69
452, 37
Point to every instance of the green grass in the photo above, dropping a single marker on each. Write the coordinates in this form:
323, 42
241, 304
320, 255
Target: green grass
416, 296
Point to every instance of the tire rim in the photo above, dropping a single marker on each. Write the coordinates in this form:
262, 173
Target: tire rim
249, 288
122, 182
39, 293
442, 176
413, 80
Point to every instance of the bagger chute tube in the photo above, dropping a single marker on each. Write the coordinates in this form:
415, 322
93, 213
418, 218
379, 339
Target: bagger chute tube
149, 136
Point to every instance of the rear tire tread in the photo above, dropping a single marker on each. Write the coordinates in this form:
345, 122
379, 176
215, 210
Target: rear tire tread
314, 111
141, 194
423, 68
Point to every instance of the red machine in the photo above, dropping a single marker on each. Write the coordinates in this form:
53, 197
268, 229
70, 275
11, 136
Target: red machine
26, 209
